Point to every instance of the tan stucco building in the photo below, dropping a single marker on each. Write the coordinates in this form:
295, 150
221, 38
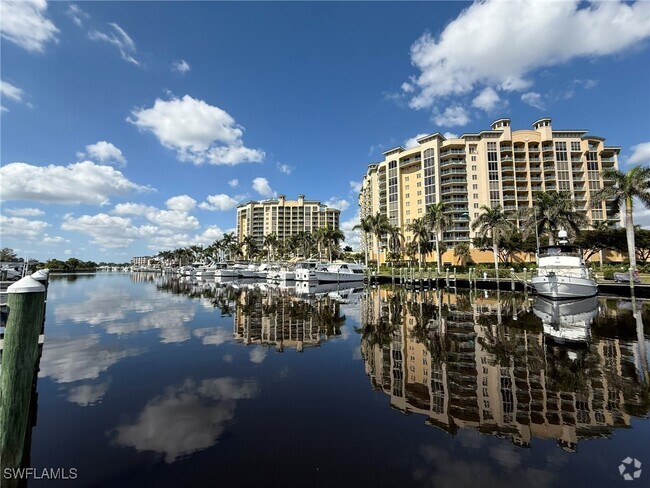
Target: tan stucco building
284, 217
493, 167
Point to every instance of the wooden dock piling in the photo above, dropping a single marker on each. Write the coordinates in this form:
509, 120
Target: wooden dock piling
25, 304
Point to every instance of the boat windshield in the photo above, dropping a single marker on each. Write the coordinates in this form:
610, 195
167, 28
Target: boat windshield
559, 251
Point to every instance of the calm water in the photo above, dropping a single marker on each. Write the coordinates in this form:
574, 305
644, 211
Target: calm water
148, 382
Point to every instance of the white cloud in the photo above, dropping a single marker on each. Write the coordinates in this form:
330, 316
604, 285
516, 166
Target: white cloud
25, 212
261, 186
107, 230
462, 58
220, 202
103, 152
284, 168
356, 186
487, 99
640, 154
339, 203
24, 23
258, 354
67, 359
413, 141
352, 237
88, 394
118, 38
197, 131
174, 241
450, 135
186, 418
181, 203
77, 15
169, 219
452, 116
181, 66
7, 90
83, 182
22, 228
533, 99
234, 183
54, 240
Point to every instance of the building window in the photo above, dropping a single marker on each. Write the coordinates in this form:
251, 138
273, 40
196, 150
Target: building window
408, 195
475, 215
419, 193
476, 205
473, 167
419, 184
419, 202
475, 196
474, 186
407, 187
475, 177
406, 178
473, 158
419, 210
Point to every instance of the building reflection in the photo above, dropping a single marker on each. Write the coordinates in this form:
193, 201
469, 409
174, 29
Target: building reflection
485, 362
284, 320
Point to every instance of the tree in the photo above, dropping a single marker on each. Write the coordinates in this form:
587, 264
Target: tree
8, 254
462, 252
270, 244
437, 218
379, 226
250, 244
421, 236
627, 186
493, 221
330, 238
555, 211
395, 240
365, 226
227, 243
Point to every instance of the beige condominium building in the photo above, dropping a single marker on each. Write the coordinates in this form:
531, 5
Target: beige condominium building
283, 217
493, 167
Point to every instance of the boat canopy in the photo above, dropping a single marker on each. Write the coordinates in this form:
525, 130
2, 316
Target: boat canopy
560, 250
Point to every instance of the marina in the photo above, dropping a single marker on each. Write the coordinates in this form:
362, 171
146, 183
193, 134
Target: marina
147, 379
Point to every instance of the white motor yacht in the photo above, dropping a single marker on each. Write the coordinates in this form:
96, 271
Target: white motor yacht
567, 320
341, 272
561, 272
306, 270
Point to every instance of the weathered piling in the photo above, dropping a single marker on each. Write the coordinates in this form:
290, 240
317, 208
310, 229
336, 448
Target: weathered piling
447, 277
43, 277
512, 279
25, 305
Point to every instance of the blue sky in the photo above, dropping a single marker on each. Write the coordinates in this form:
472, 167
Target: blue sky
129, 128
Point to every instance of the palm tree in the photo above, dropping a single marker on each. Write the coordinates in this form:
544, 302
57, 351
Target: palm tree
395, 239
554, 211
365, 226
462, 252
227, 242
330, 238
379, 225
421, 235
250, 243
634, 183
493, 221
270, 243
437, 218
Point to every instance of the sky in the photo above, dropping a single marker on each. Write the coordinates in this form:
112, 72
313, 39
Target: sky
129, 128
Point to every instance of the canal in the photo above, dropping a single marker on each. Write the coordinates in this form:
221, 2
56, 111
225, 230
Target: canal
148, 381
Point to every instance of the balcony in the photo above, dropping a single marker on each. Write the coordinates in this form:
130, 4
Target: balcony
506, 147
507, 178
452, 179
507, 159
575, 159
520, 148
547, 148
533, 149
508, 188
454, 170
454, 199
509, 207
549, 168
452, 162
519, 160
522, 178
451, 152
447, 191
534, 160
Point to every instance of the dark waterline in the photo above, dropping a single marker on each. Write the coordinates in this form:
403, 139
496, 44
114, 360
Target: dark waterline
146, 381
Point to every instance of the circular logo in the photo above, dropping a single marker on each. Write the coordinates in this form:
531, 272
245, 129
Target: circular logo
630, 469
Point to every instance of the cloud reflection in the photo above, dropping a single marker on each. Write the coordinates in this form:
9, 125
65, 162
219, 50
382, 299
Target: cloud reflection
187, 418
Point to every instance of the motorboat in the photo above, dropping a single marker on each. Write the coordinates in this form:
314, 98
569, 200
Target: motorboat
306, 270
341, 272
561, 272
263, 270
567, 320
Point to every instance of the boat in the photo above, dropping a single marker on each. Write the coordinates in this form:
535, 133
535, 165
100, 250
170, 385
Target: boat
341, 272
561, 272
567, 320
306, 270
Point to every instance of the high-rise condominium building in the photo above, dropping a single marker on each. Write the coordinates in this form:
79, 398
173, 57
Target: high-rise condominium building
283, 217
493, 167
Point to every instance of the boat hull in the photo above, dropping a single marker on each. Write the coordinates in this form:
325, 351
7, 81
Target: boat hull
329, 277
560, 287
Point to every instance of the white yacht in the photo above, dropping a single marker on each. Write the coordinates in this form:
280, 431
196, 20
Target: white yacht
306, 270
340, 272
561, 272
567, 320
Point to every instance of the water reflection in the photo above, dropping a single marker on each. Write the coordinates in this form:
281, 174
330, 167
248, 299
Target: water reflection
186, 418
484, 362
567, 320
